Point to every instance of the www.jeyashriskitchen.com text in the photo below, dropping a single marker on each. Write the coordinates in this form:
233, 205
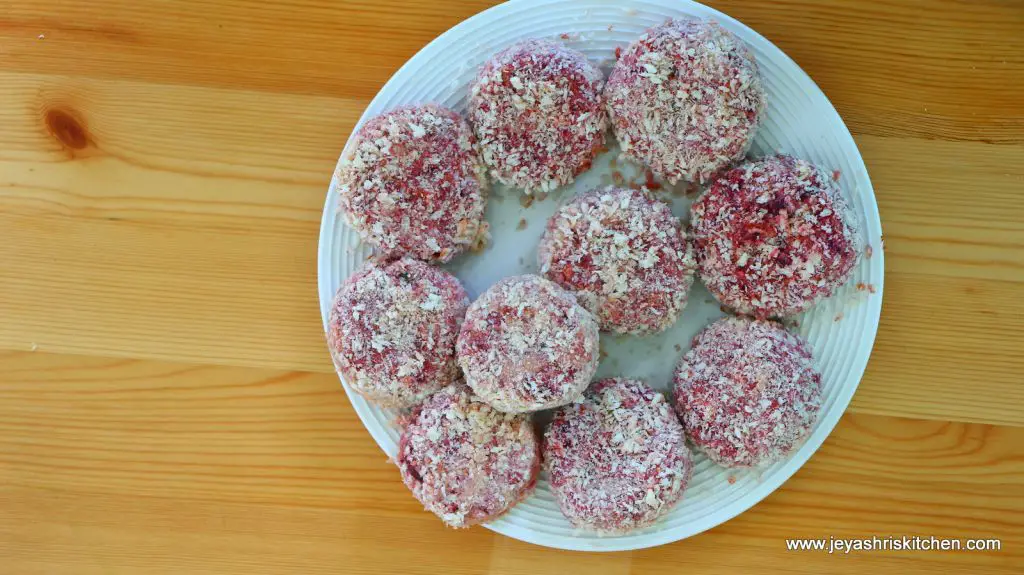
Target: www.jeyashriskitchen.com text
834, 545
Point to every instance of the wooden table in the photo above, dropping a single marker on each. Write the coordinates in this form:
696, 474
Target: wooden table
166, 401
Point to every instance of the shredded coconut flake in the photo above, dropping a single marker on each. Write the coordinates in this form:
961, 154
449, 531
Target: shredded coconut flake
618, 460
624, 255
528, 345
774, 236
413, 184
466, 462
747, 392
685, 99
537, 111
392, 330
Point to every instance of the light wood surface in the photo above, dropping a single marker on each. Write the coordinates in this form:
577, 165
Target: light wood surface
166, 401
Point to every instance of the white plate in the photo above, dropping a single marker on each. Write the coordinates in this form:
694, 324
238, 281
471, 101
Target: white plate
800, 121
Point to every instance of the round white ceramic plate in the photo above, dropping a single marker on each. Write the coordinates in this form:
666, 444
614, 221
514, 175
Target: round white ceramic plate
800, 121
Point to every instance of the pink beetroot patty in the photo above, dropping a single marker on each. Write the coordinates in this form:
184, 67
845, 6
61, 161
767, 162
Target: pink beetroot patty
774, 236
624, 255
685, 99
411, 183
747, 392
392, 330
537, 111
528, 345
466, 462
618, 460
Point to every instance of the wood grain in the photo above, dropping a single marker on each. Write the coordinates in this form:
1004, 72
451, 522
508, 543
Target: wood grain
214, 252
128, 462
162, 173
